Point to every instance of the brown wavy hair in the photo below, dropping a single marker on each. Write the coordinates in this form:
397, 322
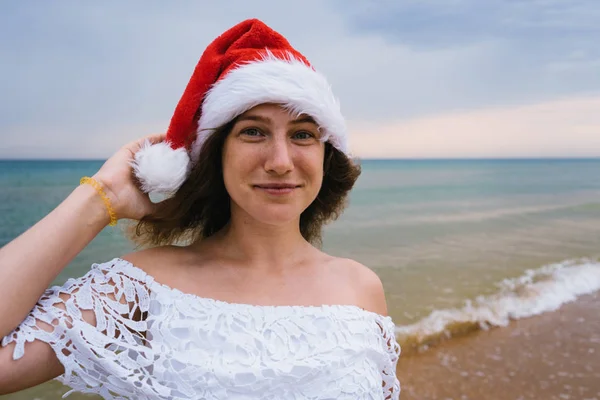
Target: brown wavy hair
201, 206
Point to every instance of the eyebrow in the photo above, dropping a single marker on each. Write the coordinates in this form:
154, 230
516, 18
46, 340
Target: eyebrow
254, 118
300, 120
303, 119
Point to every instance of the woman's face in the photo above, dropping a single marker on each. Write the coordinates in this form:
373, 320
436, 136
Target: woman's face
273, 164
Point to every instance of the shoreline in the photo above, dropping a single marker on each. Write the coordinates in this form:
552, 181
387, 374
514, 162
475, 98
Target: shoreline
555, 355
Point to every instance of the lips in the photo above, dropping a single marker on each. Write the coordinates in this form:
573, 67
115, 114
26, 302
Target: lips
277, 188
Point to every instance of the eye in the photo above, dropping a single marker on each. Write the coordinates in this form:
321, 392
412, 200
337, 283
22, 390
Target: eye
303, 135
252, 132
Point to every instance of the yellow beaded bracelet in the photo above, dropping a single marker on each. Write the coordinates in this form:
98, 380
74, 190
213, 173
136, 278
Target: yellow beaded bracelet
105, 199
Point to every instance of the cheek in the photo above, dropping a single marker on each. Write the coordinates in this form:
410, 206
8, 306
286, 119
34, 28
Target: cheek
232, 167
311, 167
314, 166
239, 166
233, 174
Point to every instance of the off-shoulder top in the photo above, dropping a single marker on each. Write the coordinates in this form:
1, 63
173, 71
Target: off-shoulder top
151, 341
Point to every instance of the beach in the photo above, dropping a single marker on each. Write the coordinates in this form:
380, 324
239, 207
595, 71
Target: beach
551, 356
491, 268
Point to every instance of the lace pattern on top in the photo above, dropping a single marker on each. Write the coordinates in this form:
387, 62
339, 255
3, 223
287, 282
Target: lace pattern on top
122, 335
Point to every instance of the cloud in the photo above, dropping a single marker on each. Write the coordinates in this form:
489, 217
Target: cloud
451, 23
485, 53
80, 73
561, 128
568, 127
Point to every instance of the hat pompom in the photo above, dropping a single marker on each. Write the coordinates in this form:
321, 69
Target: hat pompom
160, 168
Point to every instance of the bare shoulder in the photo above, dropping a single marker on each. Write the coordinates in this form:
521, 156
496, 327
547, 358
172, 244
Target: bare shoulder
153, 260
366, 284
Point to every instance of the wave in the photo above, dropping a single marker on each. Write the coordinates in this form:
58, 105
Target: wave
535, 292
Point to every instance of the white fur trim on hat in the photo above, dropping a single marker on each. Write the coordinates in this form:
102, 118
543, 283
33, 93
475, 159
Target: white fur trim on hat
290, 82
160, 168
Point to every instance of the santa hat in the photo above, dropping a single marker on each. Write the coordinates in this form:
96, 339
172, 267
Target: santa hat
248, 65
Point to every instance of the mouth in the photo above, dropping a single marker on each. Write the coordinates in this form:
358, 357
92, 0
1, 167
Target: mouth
277, 188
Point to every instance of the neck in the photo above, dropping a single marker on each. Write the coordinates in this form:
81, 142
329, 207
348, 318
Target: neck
262, 246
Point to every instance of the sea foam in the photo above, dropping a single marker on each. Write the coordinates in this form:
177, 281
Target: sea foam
535, 292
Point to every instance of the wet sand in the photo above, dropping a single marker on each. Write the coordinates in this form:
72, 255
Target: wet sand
552, 356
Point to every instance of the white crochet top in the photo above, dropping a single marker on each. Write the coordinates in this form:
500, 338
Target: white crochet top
190, 347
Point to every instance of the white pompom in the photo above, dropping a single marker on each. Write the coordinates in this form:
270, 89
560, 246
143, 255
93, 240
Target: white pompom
161, 169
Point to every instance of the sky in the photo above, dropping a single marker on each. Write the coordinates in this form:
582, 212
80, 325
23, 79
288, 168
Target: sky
415, 78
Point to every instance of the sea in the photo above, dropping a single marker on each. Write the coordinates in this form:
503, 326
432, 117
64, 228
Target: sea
460, 245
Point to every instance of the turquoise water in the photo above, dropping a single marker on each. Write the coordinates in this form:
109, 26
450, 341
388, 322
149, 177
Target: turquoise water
31, 189
441, 232
404, 216
438, 233
472, 220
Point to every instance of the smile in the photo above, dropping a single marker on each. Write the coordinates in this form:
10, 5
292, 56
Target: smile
277, 188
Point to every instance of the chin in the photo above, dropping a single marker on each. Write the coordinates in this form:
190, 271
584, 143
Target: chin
276, 214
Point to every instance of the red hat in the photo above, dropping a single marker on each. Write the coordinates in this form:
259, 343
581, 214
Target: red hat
248, 65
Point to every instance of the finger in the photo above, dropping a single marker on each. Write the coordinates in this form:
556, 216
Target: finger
150, 139
156, 138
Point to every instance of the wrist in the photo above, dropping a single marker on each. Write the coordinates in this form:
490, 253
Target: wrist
107, 186
100, 196
92, 206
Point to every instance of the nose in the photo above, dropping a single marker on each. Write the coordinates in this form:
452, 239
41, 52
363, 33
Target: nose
279, 157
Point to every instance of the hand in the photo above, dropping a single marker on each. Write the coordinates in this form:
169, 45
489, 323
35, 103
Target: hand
116, 177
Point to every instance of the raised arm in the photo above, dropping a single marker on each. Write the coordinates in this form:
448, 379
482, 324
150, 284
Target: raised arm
29, 263
33, 260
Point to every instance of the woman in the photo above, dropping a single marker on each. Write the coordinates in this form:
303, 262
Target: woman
254, 162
